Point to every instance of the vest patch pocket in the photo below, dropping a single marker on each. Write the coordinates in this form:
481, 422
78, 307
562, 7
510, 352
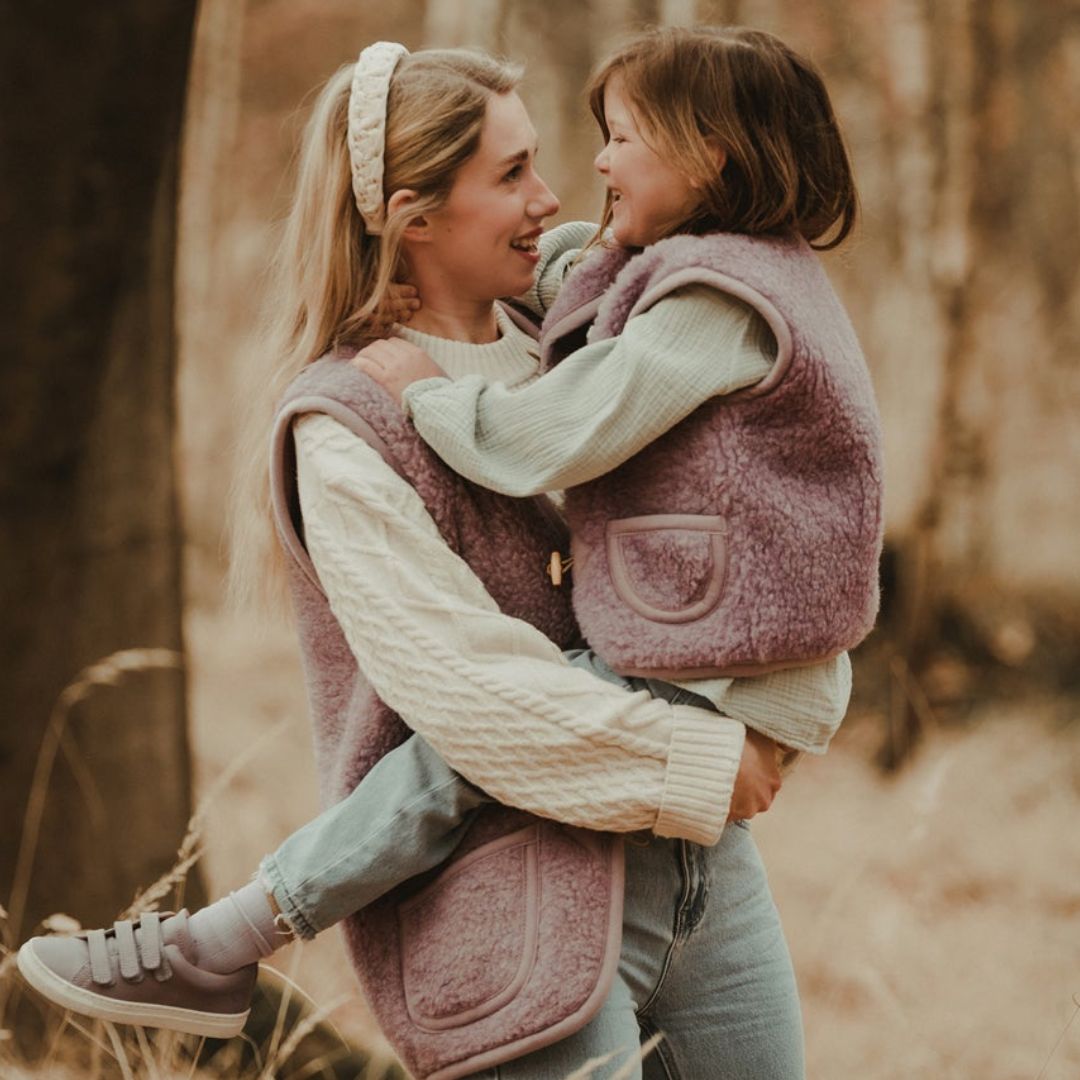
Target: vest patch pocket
668, 568
463, 960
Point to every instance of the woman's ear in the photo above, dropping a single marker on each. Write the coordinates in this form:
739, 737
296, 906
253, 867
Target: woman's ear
417, 229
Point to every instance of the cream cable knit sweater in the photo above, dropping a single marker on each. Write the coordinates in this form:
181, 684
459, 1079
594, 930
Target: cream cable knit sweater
493, 696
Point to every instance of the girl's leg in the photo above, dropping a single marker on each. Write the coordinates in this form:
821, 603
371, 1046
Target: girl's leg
198, 974
406, 816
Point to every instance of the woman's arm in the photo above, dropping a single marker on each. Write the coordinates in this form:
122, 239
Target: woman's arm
600, 405
493, 695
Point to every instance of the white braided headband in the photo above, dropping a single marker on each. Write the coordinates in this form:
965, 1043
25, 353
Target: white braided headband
367, 128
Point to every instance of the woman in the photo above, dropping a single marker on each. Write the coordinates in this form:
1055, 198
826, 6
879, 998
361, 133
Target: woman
507, 960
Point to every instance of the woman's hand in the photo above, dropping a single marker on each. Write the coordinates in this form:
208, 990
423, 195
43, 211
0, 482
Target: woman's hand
394, 364
758, 778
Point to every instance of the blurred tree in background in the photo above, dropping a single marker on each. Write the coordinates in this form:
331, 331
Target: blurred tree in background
89, 135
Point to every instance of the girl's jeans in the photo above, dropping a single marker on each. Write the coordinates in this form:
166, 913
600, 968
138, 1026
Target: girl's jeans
704, 960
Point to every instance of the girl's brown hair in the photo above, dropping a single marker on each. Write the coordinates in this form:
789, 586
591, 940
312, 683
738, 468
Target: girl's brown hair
786, 171
330, 278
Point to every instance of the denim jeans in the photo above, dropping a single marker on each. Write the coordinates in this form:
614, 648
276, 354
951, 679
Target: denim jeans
704, 960
704, 963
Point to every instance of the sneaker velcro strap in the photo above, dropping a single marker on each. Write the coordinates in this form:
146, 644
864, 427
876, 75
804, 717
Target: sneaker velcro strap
100, 967
150, 925
164, 972
125, 948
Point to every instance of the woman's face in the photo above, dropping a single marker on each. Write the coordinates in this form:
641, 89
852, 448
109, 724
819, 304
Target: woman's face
484, 237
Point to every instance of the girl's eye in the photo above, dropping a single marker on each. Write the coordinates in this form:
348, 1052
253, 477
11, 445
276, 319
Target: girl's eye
514, 173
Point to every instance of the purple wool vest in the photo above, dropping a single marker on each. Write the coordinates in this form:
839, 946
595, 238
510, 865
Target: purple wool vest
747, 538
513, 943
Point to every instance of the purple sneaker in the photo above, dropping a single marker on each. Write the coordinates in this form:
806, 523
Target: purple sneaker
145, 973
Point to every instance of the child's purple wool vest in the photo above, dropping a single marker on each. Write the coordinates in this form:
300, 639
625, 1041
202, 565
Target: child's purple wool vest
747, 538
513, 943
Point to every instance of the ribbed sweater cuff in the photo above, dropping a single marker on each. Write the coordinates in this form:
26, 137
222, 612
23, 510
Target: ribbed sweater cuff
702, 765
416, 389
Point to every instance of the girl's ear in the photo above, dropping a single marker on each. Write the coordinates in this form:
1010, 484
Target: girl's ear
418, 229
717, 153
717, 157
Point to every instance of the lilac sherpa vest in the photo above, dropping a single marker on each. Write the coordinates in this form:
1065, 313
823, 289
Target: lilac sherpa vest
746, 538
513, 943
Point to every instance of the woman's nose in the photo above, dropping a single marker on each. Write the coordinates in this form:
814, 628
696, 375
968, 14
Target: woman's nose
543, 202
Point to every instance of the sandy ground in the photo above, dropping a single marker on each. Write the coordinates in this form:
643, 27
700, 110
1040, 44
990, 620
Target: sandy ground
934, 918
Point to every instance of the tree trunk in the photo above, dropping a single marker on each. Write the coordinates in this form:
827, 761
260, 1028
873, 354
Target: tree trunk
91, 541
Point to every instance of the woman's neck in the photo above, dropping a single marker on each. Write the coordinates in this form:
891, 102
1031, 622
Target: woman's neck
447, 316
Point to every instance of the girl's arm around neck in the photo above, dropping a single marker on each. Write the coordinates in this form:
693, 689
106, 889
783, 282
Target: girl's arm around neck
559, 248
600, 405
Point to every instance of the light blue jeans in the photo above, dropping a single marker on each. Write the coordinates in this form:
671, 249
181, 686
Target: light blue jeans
704, 960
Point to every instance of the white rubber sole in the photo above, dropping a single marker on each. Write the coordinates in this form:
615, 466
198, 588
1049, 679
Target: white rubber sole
87, 1003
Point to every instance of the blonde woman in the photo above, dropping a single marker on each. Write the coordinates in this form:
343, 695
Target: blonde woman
419, 592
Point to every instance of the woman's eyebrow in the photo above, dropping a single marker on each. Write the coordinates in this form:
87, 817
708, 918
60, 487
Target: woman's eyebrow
518, 158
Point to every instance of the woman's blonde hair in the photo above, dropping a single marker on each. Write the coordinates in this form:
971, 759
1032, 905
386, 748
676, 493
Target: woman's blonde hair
695, 89
330, 278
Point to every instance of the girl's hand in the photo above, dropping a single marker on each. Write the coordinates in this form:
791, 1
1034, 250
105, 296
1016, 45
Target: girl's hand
402, 303
758, 779
403, 300
395, 364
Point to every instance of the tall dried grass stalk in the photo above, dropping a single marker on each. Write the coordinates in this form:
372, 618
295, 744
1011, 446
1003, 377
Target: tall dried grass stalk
1061, 1038
190, 850
628, 1067
118, 1048
107, 672
300, 1032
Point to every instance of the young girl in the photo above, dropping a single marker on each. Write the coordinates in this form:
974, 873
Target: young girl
714, 577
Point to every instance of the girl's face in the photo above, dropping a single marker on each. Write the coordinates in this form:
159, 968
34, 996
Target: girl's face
650, 196
484, 237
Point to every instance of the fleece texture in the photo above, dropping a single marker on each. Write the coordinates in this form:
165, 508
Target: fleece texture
513, 943
747, 538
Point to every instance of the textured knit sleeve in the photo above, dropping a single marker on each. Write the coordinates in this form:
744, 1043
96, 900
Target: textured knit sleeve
801, 707
559, 247
600, 405
493, 696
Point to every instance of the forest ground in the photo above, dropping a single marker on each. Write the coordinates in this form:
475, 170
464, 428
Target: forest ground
933, 916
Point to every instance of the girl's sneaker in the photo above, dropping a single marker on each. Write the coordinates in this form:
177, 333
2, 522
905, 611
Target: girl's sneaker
144, 973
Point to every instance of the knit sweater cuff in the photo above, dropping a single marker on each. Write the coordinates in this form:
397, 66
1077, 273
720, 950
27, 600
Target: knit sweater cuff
702, 765
417, 389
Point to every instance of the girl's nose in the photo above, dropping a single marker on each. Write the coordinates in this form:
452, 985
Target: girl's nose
600, 162
542, 202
